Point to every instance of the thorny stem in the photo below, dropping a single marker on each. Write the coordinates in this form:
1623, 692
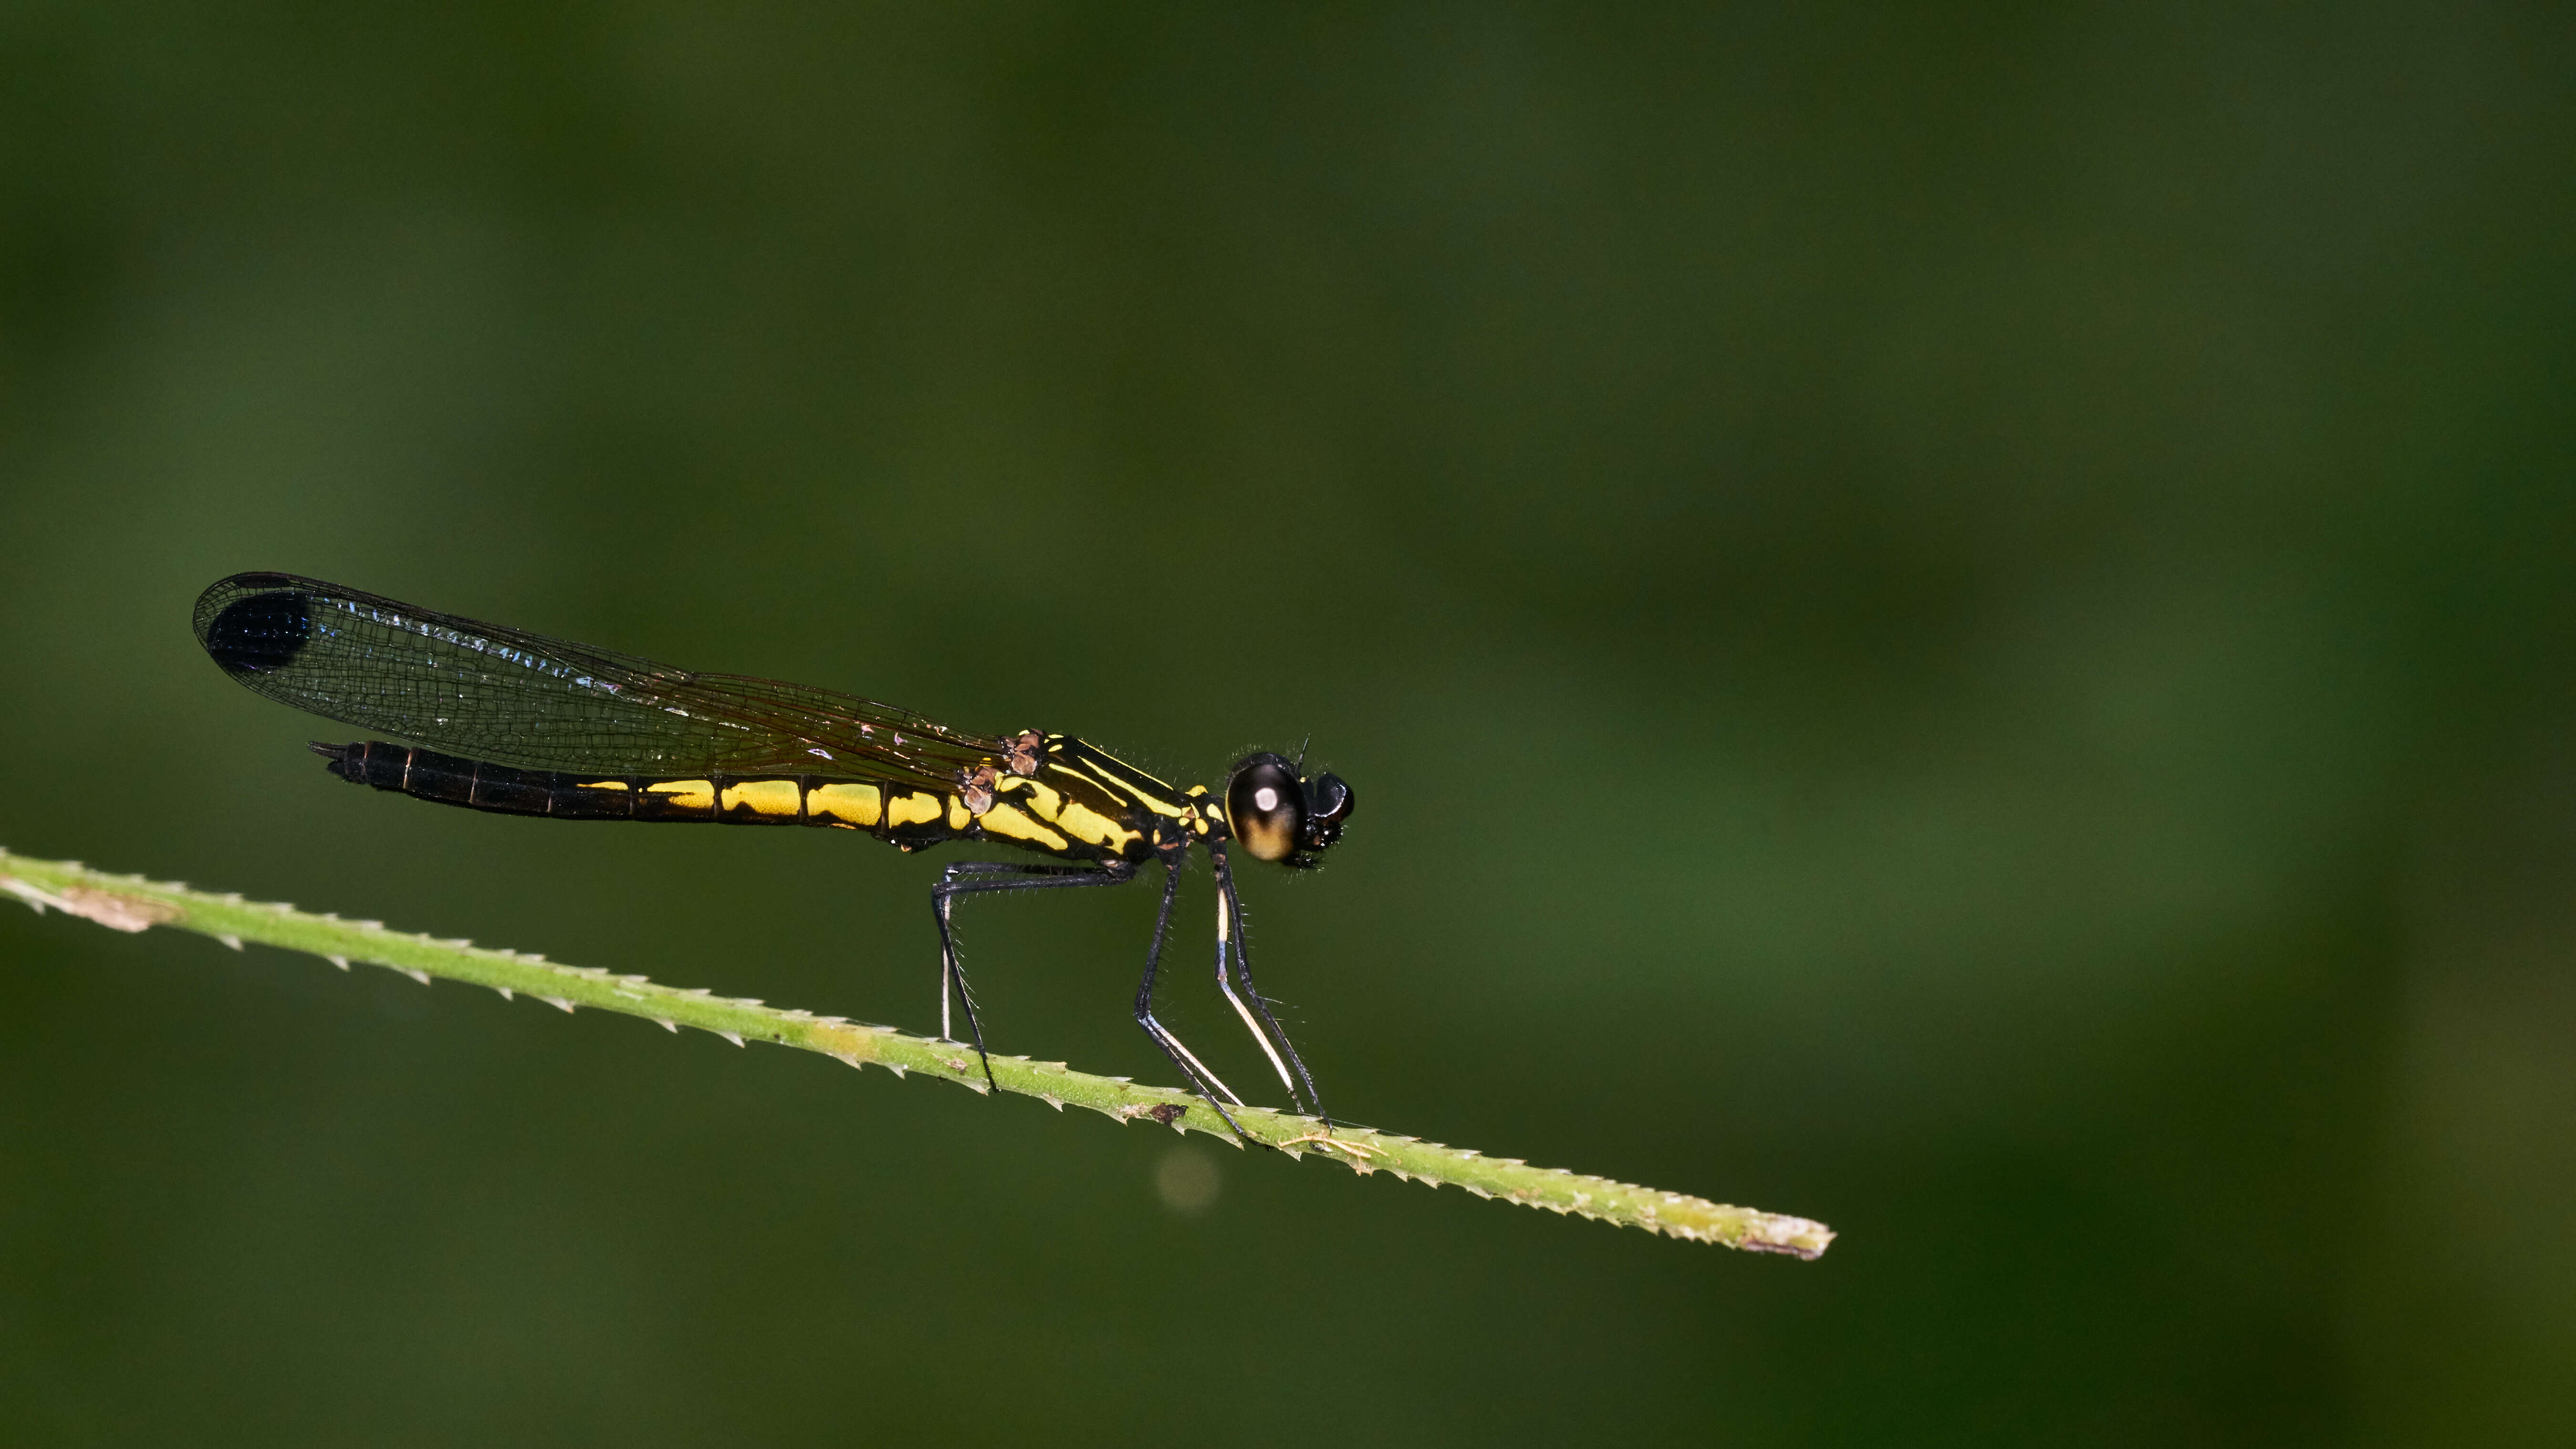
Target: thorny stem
131, 903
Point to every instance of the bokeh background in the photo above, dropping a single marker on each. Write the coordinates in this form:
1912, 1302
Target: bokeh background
1959, 624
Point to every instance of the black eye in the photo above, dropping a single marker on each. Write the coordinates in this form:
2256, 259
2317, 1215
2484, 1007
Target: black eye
1328, 804
1266, 808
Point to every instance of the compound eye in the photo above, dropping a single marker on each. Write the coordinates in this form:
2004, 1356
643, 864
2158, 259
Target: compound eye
1265, 808
1328, 804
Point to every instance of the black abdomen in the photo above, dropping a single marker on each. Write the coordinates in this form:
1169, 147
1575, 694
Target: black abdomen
909, 818
479, 785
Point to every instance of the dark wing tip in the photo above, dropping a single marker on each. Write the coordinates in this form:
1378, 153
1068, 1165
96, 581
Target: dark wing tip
253, 623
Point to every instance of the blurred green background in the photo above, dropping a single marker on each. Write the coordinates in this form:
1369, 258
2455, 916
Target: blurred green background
1958, 624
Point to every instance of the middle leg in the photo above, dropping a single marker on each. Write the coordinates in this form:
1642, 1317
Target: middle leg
1201, 1080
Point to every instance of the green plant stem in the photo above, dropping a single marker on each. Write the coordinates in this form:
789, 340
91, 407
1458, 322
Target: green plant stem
131, 903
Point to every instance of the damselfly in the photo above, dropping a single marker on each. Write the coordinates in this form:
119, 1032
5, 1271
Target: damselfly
509, 721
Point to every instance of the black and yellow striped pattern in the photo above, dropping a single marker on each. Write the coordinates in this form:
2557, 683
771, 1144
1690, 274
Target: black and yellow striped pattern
1078, 804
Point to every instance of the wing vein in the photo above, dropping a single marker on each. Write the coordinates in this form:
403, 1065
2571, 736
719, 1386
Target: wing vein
525, 700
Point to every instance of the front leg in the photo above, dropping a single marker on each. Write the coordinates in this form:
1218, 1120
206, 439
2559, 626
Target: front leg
1232, 939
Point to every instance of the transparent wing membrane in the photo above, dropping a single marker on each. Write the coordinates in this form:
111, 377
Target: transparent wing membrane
525, 700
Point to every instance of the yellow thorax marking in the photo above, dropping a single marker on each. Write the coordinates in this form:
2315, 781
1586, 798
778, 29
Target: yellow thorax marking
1011, 823
1117, 785
1091, 827
1044, 802
763, 797
1086, 778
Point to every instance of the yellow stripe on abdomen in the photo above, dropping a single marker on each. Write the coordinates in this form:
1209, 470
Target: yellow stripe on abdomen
851, 807
776, 798
913, 808
686, 794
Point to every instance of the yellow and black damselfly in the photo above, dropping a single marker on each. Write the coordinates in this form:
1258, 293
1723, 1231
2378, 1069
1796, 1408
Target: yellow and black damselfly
546, 727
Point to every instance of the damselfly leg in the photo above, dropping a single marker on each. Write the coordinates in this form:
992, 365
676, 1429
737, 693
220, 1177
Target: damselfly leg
1233, 940
1202, 1080
972, 877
